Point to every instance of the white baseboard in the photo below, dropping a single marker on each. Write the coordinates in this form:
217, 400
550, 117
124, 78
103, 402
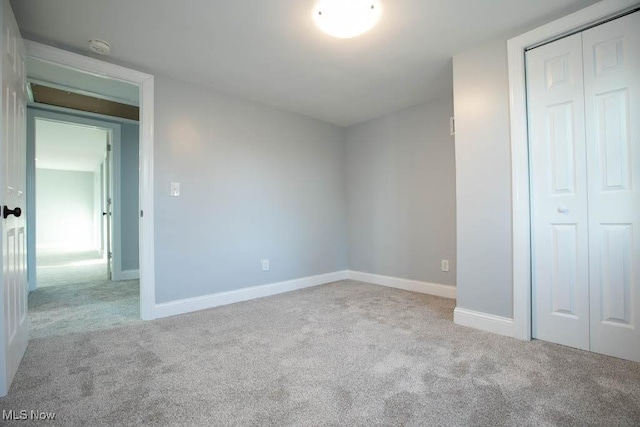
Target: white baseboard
189, 305
437, 289
483, 321
126, 275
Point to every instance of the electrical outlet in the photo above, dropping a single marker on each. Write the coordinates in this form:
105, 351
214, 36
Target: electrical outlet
444, 265
265, 264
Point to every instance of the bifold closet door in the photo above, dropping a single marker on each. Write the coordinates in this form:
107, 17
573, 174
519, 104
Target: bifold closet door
584, 149
560, 257
611, 55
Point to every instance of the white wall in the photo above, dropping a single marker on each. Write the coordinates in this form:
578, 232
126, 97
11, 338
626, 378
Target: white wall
401, 194
483, 180
256, 182
65, 209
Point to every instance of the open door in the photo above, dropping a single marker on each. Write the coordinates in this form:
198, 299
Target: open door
14, 333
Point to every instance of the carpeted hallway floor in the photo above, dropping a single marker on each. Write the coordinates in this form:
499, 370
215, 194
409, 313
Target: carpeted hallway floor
346, 353
68, 267
75, 296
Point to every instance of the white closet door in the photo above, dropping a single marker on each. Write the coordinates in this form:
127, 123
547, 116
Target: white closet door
612, 106
559, 193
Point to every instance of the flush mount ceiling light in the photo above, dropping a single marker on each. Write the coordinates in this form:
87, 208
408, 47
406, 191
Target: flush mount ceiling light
346, 19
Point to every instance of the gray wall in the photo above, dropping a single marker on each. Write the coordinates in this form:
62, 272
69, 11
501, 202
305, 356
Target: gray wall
129, 135
65, 209
483, 180
256, 182
401, 194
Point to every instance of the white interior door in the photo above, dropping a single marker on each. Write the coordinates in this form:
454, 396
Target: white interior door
612, 100
14, 331
559, 193
584, 142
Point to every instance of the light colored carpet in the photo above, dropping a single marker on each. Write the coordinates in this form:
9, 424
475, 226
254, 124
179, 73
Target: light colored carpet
74, 296
65, 267
346, 353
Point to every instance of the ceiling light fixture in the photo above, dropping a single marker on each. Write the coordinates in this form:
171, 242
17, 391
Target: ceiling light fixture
346, 19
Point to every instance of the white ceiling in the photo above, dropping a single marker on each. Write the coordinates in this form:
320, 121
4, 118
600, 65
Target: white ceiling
67, 146
270, 50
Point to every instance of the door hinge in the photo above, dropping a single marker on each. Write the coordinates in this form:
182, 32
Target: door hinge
109, 255
141, 213
452, 126
108, 147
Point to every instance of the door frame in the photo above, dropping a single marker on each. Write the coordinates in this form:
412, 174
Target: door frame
34, 113
520, 183
145, 83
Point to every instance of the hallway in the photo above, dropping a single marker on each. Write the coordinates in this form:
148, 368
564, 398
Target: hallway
74, 295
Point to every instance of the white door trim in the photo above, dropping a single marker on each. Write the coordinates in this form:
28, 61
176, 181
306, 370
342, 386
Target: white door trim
521, 245
146, 84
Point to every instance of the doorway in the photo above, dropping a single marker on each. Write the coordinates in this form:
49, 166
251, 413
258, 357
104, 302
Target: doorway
144, 83
583, 92
71, 177
86, 199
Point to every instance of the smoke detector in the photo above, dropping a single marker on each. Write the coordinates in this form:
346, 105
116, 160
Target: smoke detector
100, 47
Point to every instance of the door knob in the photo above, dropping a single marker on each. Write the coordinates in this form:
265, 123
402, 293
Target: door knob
563, 209
6, 212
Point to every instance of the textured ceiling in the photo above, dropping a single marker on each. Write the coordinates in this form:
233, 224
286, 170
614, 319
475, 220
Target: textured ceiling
270, 51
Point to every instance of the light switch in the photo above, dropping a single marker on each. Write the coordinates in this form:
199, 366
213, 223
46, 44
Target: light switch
175, 189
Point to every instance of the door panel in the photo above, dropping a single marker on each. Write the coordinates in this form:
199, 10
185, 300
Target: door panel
612, 107
562, 148
616, 272
559, 193
14, 331
612, 119
564, 271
